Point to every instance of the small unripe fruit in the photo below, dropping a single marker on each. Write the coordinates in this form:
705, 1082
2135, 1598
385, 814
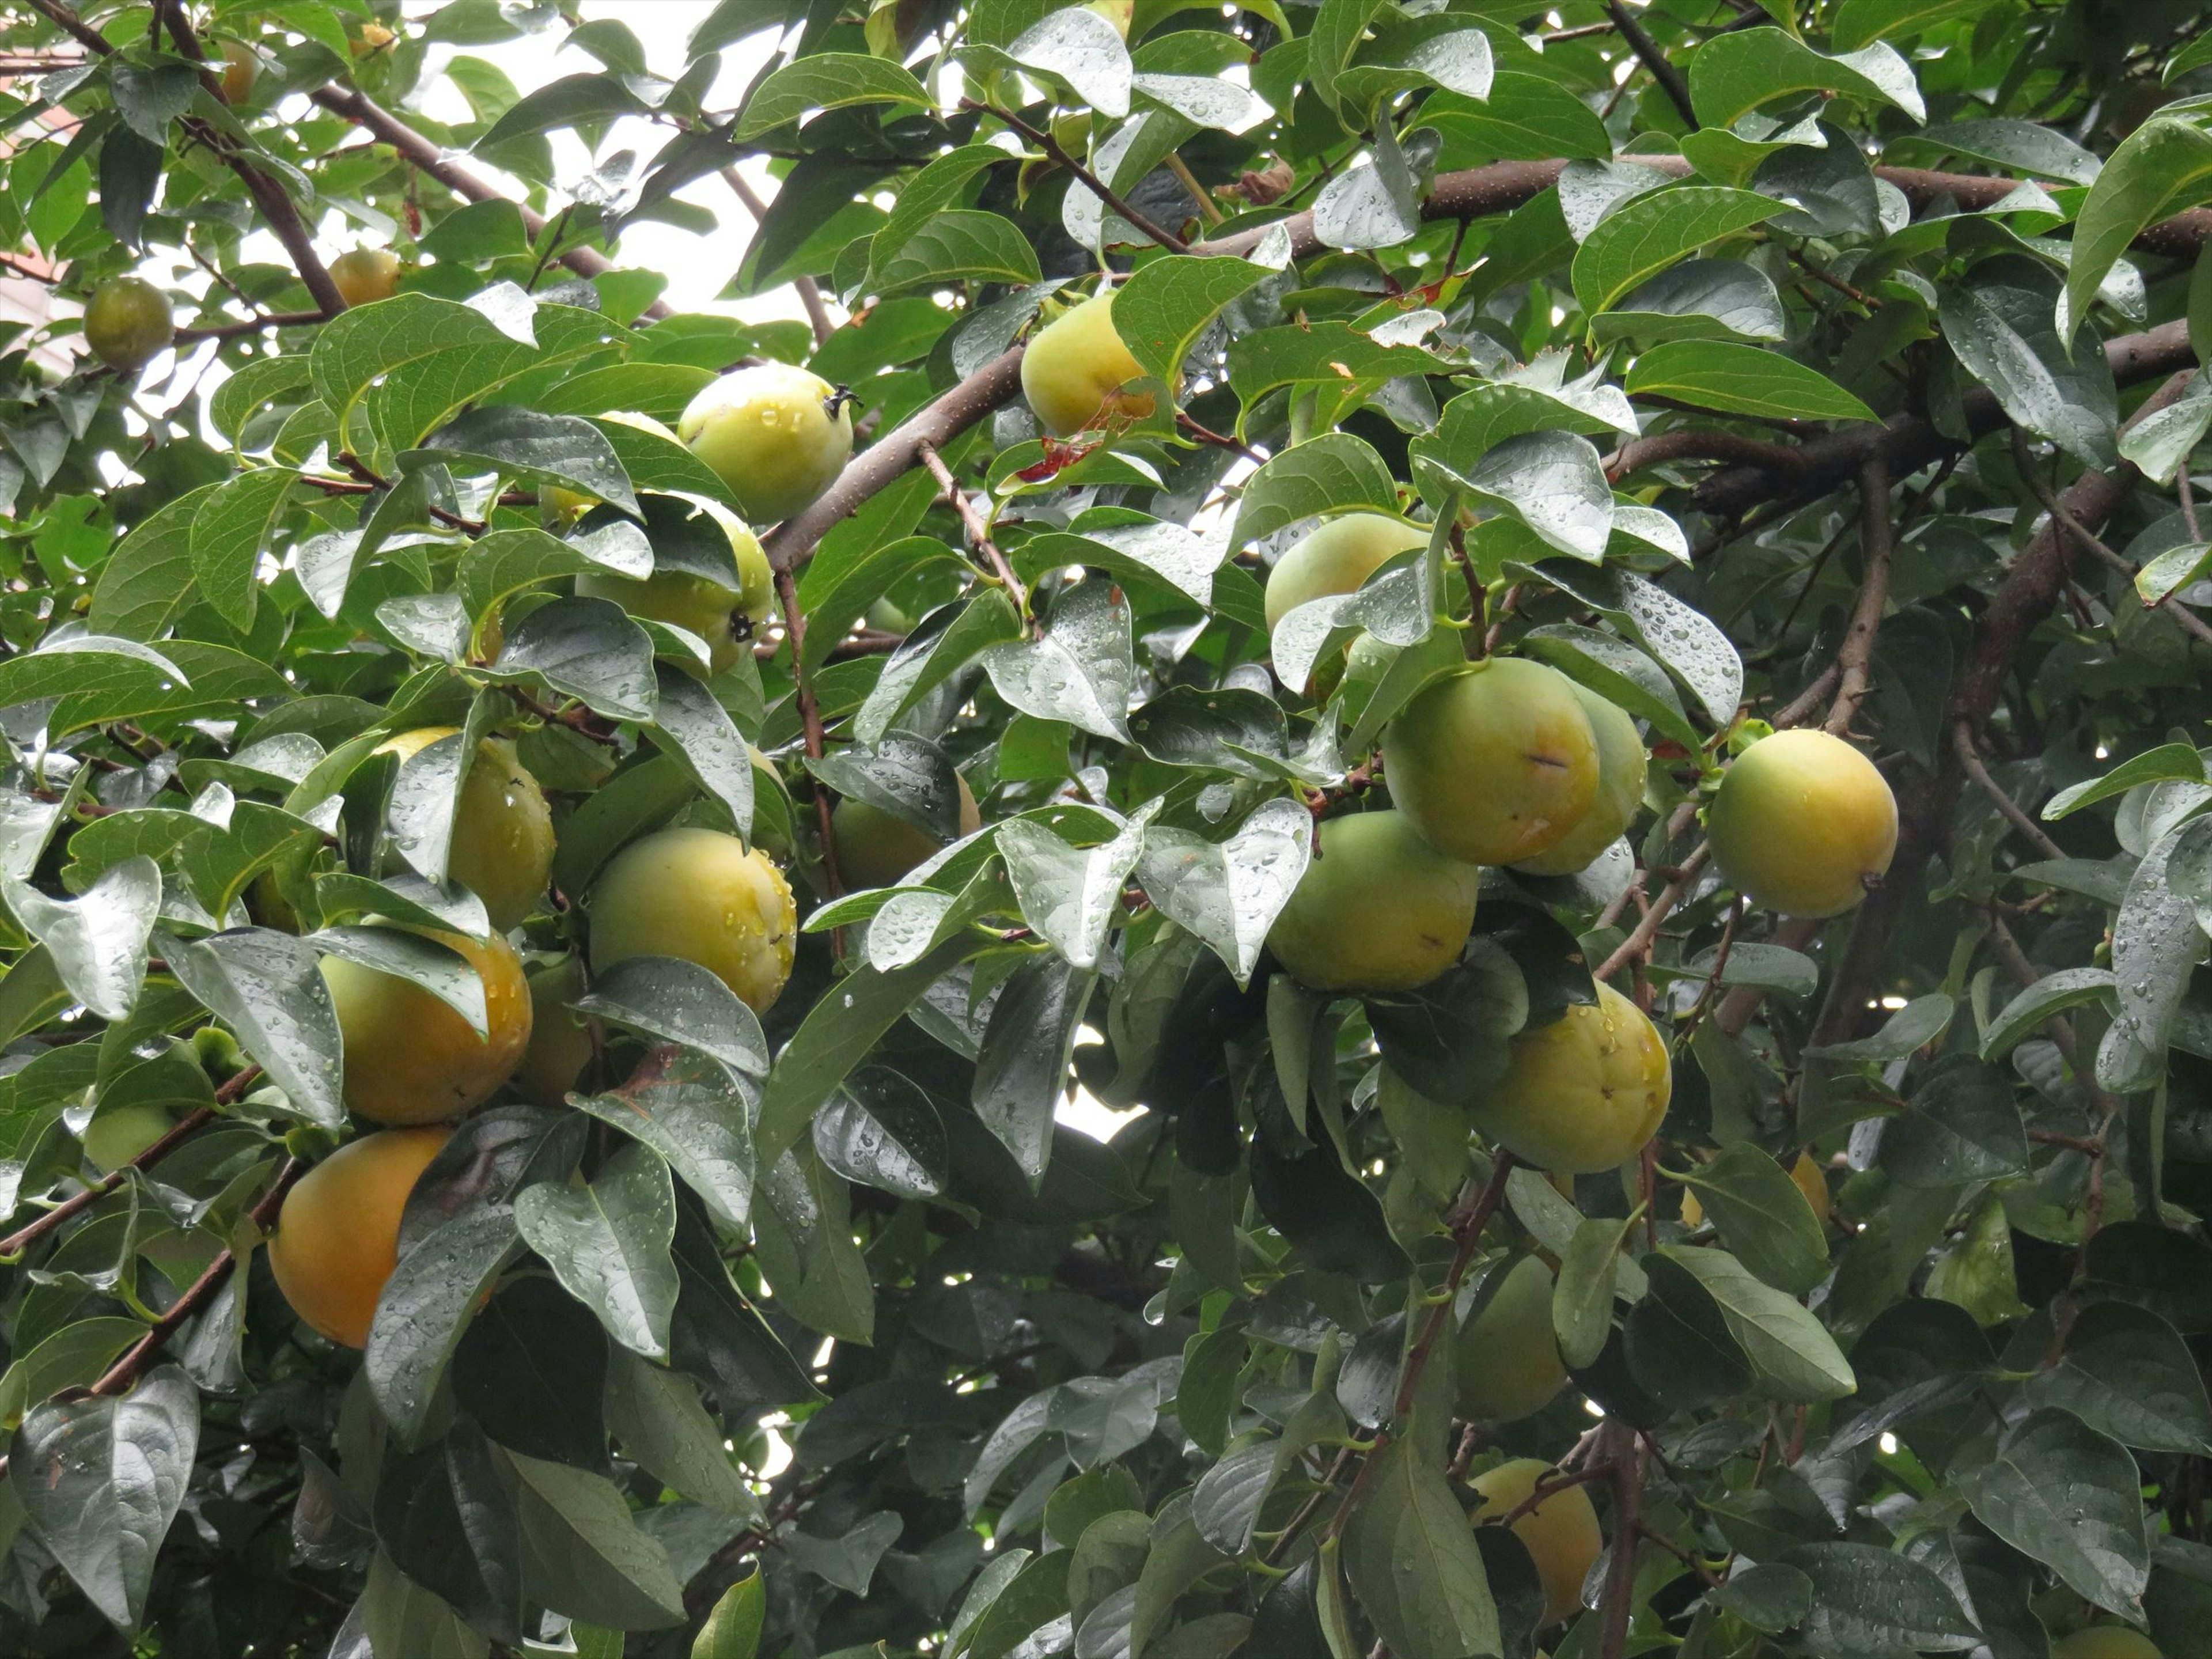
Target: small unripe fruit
1494, 763
1378, 909
699, 895
1582, 1093
1620, 769
1814, 1184
697, 603
876, 848
1073, 370
775, 433
337, 1236
503, 845
366, 275
373, 37
1561, 1533
408, 1058
114, 1138
127, 321
1336, 558
1120, 13
559, 1045
1505, 1358
1802, 823
2105, 1642
241, 68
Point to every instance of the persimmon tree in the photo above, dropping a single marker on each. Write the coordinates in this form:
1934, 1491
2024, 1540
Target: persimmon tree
566, 862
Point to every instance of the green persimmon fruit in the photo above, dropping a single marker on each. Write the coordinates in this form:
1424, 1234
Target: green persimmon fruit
1377, 910
1582, 1093
1495, 763
1505, 1358
503, 845
366, 275
1621, 769
1074, 369
776, 435
2105, 1642
560, 1044
697, 603
337, 1235
408, 1058
1561, 1533
1802, 823
241, 68
127, 321
876, 848
1336, 558
699, 895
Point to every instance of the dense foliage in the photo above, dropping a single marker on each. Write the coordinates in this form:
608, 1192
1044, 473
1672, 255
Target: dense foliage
402, 727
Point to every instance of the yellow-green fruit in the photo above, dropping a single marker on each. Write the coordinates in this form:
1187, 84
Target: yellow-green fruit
241, 68
1505, 1358
1561, 1533
1620, 767
876, 848
1802, 823
1336, 558
128, 320
776, 435
337, 1236
699, 895
503, 845
1812, 1183
1378, 909
2105, 1642
411, 1059
562, 508
1582, 1093
1495, 763
1074, 369
1120, 13
559, 1045
112, 1138
697, 603
366, 275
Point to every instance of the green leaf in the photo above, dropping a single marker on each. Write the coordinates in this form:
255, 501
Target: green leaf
267, 987
1643, 236
583, 1554
2053, 994
1068, 895
687, 1108
1081, 670
100, 1480
1527, 118
1696, 300
98, 939
1160, 311
503, 563
1582, 1297
2167, 762
1734, 74
426, 1303
573, 101
608, 1244
540, 449
1070, 46
1741, 380
2156, 942
149, 578
1869, 1600
880, 1129
690, 722
938, 187
2161, 168
1229, 893
1763, 1217
2003, 336
1414, 1562
1796, 1358
1334, 471
1862, 23
1961, 1125
961, 245
230, 532
732, 1630
1917, 1023
2066, 1496
588, 649
2128, 1374
833, 80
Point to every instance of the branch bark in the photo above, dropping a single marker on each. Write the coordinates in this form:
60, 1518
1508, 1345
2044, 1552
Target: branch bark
1876, 536
1649, 54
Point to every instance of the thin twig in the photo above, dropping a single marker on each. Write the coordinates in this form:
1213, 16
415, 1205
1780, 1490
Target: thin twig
1639, 940
809, 291
2024, 459
1962, 744
979, 533
1091, 181
810, 713
1647, 51
1875, 537
1199, 193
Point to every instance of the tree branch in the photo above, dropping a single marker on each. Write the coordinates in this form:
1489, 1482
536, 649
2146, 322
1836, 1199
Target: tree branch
1962, 745
1876, 535
419, 153
810, 712
1649, 54
1089, 180
979, 534
809, 291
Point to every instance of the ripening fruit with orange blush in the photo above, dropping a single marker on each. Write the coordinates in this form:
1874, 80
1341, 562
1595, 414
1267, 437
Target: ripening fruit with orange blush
337, 1235
699, 895
1802, 823
1074, 369
1583, 1093
412, 1059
